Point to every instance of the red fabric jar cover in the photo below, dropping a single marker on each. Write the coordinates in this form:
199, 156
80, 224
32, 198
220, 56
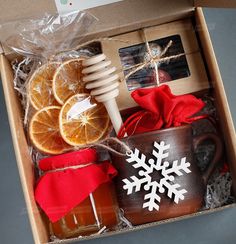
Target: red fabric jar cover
61, 189
161, 109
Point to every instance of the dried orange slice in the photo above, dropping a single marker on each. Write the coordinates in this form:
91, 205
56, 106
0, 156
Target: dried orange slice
83, 121
40, 86
44, 131
67, 80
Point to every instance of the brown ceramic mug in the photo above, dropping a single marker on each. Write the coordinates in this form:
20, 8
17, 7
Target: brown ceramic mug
181, 145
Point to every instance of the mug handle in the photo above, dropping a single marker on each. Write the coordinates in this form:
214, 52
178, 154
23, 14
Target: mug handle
218, 152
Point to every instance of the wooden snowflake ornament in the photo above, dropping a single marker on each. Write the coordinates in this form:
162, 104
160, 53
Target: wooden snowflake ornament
167, 171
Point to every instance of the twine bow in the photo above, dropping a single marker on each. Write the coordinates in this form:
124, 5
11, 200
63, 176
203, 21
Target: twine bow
153, 59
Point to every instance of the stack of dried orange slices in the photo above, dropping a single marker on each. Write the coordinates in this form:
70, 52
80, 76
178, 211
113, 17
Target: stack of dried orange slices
66, 114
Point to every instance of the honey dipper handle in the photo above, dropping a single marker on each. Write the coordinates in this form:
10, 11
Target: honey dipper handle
114, 114
101, 79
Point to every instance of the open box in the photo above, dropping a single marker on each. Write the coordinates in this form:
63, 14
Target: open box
136, 14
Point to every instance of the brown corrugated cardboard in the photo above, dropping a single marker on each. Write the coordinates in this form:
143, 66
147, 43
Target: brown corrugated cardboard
151, 9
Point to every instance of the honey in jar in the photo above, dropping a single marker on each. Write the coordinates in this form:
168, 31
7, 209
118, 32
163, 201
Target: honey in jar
77, 177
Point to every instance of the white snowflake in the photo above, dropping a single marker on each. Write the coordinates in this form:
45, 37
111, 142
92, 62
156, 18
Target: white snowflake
168, 173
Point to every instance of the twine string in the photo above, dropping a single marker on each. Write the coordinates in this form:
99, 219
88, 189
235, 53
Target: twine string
105, 144
151, 56
74, 167
140, 66
154, 59
124, 149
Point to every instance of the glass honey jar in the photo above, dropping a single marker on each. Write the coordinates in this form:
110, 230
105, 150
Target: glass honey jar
77, 194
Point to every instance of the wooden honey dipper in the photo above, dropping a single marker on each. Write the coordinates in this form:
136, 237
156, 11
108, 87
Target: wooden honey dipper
104, 85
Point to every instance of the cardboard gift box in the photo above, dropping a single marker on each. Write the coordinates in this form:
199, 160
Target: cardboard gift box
114, 19
182, 30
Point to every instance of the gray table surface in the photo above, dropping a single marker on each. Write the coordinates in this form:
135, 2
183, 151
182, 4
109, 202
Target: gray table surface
215, 228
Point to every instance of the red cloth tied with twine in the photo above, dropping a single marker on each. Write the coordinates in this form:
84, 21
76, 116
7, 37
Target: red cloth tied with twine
68, 180
161, 109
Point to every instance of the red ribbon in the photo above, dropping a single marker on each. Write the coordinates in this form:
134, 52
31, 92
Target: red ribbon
60, 190
161, 109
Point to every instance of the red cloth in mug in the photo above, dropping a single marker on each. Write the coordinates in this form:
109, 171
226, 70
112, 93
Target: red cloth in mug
59, 192
161, 109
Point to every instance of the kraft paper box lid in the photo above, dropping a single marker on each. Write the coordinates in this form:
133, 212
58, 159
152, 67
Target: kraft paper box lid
119, 17
111, 16
115, 18
12, 9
